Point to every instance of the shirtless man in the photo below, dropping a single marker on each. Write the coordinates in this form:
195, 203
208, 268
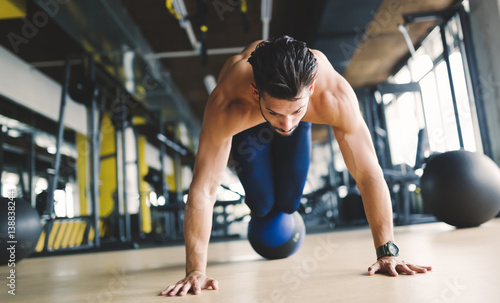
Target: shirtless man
283, 86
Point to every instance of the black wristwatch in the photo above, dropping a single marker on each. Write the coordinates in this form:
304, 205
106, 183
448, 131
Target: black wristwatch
389, 249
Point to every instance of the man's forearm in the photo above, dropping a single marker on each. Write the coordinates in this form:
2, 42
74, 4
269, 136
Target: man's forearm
197, 229
378, 209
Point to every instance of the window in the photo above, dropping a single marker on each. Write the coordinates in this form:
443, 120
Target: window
435, 109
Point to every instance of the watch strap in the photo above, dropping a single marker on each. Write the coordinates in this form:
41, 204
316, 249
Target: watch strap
385, 250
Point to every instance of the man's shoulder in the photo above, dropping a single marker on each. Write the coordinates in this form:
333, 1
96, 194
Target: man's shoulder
224, 100
242, 57
247, 51
317, 53
323, 63
226, 113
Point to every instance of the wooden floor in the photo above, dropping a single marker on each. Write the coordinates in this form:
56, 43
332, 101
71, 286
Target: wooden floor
328, 268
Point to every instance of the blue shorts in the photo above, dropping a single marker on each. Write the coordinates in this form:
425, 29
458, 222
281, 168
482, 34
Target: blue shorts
272, 168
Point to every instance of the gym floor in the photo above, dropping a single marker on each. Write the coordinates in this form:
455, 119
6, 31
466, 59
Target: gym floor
329, 267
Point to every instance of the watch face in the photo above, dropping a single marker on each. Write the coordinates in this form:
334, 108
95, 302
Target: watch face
393, 249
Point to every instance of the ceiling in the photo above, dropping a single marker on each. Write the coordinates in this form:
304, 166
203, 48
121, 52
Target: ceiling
360, 38
323, 24
383, 47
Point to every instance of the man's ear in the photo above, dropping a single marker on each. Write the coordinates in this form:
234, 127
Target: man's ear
311, 88
255, 91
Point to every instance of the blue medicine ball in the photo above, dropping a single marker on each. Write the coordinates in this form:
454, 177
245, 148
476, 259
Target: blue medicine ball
276, 235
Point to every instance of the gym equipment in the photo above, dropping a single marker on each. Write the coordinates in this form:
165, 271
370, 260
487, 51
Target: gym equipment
320, 207
224, 215
351, 208
276, 235
27, 230
461, 188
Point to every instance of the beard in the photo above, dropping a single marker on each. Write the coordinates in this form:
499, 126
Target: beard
282, 132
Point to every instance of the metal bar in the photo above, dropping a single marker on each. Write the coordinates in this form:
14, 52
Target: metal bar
266, 15
20, 172
393, 88
163, 151
119, 183
54, 63
233, 191
59, 138
405, 195
178, 180
95, 173
225, 51
210, 83
366, 103
126, 214
193, 53
176, 147
186, 24
94, 187
404, 30
140, 193
385, 137
121, 175
169, 231
373, 112
427, 16
95, 151
332, 176
446, 54
178, 186
102, 108
2, 139
474, 76
179, 54
48, 230
30, 167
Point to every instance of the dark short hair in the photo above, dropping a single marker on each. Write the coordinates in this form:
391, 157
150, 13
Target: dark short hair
283, 67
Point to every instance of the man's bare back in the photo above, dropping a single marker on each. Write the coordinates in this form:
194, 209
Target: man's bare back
232, 101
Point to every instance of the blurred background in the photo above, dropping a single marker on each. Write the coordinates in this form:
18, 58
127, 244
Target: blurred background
101, 103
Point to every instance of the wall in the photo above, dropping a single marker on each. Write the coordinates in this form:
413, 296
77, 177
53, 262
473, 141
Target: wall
24, 84
485, 22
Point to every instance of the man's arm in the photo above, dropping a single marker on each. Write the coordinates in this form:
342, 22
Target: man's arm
361, 160
338, 106
209, 168
207, 176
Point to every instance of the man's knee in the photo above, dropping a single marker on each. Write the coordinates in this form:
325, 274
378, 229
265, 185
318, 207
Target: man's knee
260, 210
290, 210
260, 204
289, 204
